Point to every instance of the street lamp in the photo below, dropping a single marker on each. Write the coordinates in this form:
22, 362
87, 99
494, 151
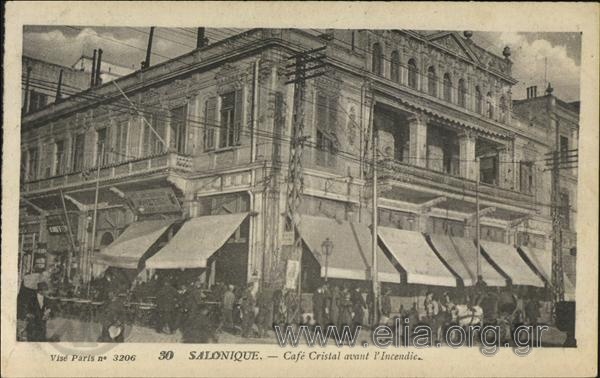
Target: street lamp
327, 247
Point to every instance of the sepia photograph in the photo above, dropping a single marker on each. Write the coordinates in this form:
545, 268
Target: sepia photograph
295, 186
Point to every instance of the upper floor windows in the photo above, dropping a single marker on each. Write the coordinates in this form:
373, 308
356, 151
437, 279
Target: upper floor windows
231, 119
462, 93
178, 129
37, 100
503, 109
526, 176
478, 100
103, 148
412, 74
60, 163
447, 87
210, 116
120, 152
431, 81
326, 141
154, 131
489, 105
78, 153
395, 67
32, 164
564, 149
377, 59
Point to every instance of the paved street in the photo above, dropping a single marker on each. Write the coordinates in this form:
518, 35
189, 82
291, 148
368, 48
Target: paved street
74, 330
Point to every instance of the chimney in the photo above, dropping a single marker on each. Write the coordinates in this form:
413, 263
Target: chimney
201, 40
93, 77
98, 80
59, 87
532, 92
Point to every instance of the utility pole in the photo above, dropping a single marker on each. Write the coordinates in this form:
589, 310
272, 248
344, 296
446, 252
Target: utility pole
89, 264
557, 265
478, 221
375, 219
149, 49
59, 87
303, 69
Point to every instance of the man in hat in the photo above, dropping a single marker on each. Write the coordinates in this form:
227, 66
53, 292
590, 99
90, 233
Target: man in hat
38, 313
113, 319
166, 299
227, 307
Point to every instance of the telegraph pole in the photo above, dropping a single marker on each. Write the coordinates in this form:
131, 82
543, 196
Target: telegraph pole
375, 219
557, 266
306, 65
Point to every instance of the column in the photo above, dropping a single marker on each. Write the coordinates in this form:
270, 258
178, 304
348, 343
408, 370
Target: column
418, 140
467, 164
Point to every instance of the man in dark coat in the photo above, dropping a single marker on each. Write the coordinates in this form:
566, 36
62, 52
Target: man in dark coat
358, 307
248, 303
38, 313
198, 328
113, 318
318, 302
386, 303
166, 299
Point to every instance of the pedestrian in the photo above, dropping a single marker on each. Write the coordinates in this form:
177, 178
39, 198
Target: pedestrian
291, 305
279, 309
358, 307
227, 307
345, 306
182, 305
532, 310
264, 318
198, 328
248, 315
318, 302
113, 319
38, 313
386, 303
370, 303
334, 308
166, 299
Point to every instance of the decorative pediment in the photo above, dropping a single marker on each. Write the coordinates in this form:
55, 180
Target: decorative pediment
454, 43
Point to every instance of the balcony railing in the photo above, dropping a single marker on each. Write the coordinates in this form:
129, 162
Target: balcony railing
144, 165
397, 171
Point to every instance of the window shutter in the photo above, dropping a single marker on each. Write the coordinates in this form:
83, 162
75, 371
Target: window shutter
134, 138
238, 116
210, 120
322, 112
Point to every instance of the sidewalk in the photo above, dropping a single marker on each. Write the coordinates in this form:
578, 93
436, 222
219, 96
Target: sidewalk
72, 330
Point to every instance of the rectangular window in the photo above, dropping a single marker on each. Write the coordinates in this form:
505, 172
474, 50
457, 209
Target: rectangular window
564, 149
488, 170
210, 109
178, 128
120, 151
152, 144
326, 142
59, 158
231, 117
565, 210
37, 100
526, 176
32, 165
103, 147
78, 152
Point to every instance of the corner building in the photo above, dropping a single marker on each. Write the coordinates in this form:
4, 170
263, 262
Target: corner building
191, 161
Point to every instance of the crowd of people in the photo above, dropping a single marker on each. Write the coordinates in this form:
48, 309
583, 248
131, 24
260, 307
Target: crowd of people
200, 314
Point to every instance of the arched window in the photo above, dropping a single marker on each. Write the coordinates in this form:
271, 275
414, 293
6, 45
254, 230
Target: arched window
503, 109
395, 67
412, 73
376, 59
462, 93
431, 81
489, 107
478, 100
447, 87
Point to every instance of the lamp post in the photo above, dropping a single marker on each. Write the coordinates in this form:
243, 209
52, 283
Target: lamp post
327, 247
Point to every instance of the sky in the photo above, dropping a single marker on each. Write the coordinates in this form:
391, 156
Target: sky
537, 58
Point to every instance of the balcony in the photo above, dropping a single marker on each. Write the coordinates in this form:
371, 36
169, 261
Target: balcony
400, 172
142, 166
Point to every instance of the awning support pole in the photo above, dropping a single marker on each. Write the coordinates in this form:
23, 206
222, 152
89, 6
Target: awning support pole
375, 219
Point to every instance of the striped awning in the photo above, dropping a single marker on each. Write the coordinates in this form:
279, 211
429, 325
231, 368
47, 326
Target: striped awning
196, 241
417, 259
507, 258
351, 257
127, 250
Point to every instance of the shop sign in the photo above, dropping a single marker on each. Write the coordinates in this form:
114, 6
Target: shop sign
153, 201
291, 274
287, 238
